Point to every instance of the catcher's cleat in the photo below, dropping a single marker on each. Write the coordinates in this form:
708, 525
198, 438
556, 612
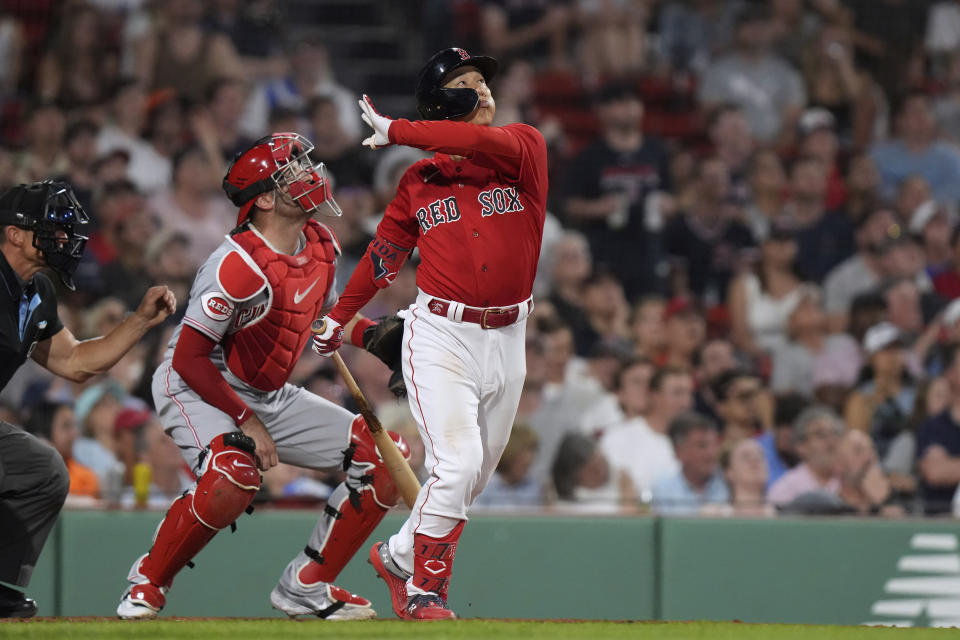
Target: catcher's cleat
141, 602
428, 606
395, 578
322, 600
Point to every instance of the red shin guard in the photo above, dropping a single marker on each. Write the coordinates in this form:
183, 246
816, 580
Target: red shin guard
228, 482
355, 508
433, 561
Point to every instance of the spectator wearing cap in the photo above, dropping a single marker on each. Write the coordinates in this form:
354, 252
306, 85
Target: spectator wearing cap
824, 238
760, 301
640, 446
938, 444
809, 339
706, 243
817, 433
607, 187
685, 330
862, 271
817, 137
884, 399
916, 151
767, 181
55, 423
699, 481
838, 85
96, 411
127, 431
948, 332
777, 443
741, 403
931, 225
767, 88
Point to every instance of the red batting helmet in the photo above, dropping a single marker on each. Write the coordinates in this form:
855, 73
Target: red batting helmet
274, 161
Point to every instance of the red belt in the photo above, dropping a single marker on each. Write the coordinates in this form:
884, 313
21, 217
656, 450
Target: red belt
487, 318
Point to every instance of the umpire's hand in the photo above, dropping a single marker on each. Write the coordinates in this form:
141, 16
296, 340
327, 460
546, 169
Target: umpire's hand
157, 304
266, 450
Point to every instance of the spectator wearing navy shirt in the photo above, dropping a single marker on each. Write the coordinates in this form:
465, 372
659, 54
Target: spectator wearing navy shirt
938, 445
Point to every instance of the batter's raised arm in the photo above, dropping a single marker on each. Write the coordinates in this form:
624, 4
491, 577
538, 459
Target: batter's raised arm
508, 145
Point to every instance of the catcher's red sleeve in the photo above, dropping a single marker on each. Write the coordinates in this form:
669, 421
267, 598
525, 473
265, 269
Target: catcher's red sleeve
191, 359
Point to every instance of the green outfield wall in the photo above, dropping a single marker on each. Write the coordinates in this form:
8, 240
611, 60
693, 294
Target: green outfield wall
818, 571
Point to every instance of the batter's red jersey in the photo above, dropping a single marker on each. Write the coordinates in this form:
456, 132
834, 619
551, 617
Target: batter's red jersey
478, 222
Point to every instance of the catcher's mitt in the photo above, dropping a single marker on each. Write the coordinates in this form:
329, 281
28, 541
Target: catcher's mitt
385, 340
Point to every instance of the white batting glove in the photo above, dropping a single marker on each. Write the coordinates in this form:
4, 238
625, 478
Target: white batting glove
327, 336
380, 124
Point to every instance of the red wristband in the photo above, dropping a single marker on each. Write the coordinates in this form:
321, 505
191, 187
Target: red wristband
356, 336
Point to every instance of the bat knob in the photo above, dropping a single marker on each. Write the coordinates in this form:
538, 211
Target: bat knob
318, 326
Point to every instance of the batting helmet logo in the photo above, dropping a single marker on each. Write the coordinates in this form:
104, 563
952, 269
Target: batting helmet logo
436, 102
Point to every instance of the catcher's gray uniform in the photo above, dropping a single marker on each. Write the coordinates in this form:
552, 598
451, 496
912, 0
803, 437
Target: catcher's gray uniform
308, 430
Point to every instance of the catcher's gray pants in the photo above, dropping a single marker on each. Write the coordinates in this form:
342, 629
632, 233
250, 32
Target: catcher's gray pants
33, 487
308, 430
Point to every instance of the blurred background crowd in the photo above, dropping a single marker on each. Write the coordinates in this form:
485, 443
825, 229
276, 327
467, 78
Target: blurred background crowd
749, 291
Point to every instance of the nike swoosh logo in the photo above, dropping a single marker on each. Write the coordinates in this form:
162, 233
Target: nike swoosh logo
298, 297
237, 463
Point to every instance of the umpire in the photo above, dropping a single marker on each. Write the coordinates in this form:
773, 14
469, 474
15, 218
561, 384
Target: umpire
39, 226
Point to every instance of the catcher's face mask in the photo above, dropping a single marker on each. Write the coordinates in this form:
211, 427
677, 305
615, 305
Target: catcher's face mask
305, 182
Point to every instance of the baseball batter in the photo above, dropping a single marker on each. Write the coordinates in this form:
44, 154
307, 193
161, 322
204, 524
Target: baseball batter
476, 212
222, 392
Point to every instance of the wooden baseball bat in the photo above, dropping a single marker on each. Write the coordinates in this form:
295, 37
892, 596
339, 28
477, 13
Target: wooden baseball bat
397, 466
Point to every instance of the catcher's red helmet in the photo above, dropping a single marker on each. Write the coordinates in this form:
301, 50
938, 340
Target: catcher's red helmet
274, 161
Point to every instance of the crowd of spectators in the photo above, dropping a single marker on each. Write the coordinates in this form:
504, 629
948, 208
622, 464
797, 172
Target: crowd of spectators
748, 300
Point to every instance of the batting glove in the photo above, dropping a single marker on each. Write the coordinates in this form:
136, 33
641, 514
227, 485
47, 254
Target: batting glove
327, 336
380, 124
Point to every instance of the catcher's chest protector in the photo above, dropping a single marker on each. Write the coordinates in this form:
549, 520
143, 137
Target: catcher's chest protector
264, 352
